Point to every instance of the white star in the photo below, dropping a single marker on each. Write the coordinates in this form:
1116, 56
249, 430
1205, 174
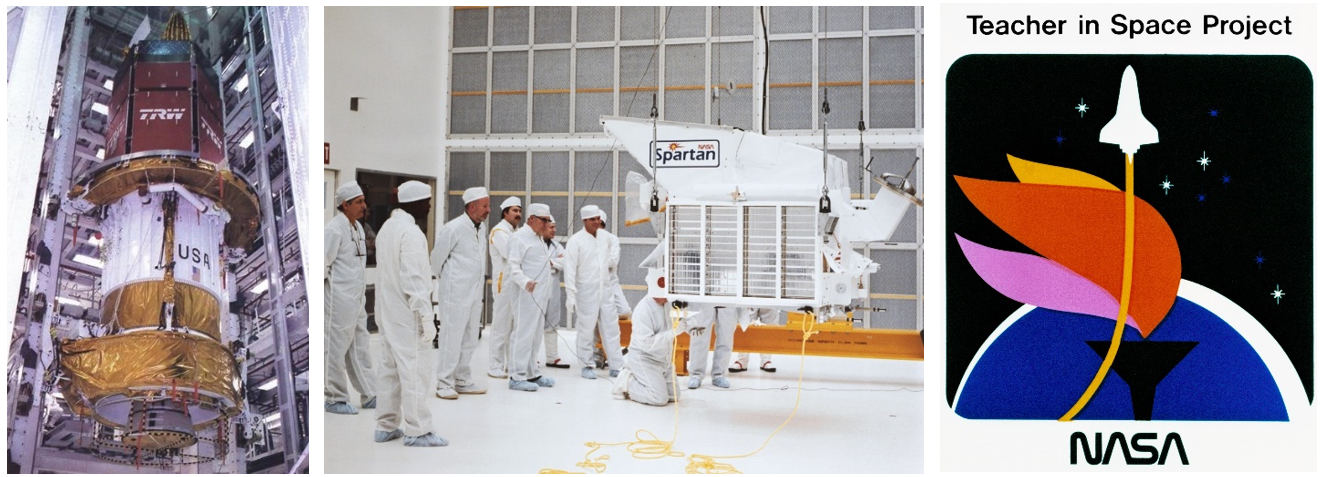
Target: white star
1082, 107
1204, 160
1277, 294
1165, 185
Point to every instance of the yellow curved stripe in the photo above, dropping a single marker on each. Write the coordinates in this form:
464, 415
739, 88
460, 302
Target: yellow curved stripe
1036, 173
1128, 254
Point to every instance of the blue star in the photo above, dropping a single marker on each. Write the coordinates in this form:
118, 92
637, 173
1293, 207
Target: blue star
1226, 179
1213, 113
1199, 197
1059, 138
1259, 260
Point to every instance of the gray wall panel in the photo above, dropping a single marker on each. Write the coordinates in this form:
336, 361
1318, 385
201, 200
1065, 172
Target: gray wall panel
639, 23
840, 18
508, 173
596, 24
510, 26
468, 114
551, 72
841, 59
551, 25
896, 272
469, 72
732, 21
589, 107
470, 27
791, 20
900, 315
686, 22
510, 71
892, 63
885, 18
510, 114
551, 173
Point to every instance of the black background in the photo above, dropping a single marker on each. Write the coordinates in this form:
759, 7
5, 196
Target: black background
1260, 138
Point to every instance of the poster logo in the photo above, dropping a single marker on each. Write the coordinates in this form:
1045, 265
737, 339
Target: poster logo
686, 153
1085, 280
149, 114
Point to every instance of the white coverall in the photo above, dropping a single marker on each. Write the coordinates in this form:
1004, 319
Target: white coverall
590, 263
766, 316
618, 293
503, 296
554, 311
530, 258
346, 322
722, 321
652, 371
404, 316
457, 262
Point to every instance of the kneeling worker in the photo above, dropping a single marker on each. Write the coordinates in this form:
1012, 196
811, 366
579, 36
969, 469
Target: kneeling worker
649, 374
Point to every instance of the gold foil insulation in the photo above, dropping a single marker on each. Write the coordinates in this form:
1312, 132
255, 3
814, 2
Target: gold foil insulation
176, 28
151, 364
200, 177
157, 440
138, 305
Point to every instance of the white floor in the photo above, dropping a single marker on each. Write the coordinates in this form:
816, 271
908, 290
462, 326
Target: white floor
855, 416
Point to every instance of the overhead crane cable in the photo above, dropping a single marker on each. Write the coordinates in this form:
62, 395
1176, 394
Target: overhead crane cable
717, 52
657, 44
825, 204
767, 45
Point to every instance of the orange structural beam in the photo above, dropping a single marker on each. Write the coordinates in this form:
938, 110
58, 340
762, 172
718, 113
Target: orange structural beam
841, 343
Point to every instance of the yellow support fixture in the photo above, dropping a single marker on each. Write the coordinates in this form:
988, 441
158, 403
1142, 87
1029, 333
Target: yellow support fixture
835, 339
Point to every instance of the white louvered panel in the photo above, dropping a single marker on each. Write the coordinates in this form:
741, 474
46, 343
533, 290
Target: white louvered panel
722, 253
799, 252
685, 249
761, 252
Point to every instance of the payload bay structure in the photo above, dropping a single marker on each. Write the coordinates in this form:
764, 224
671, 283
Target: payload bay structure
161, 322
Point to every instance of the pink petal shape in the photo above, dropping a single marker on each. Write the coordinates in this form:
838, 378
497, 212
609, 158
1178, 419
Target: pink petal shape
1038, 281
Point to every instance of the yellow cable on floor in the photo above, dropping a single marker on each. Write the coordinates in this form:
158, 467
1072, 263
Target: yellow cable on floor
705, 464
641, 447
654, 448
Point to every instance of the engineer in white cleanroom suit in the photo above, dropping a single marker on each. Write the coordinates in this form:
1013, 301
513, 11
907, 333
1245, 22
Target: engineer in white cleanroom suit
404, 316
529, 263
503, 293
650, 372
765, 316
346, 321
457, 262
590, 260
722, 321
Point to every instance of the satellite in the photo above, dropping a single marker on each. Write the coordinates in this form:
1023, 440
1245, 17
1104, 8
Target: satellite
748, 220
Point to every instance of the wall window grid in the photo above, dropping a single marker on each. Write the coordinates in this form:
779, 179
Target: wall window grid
889, 89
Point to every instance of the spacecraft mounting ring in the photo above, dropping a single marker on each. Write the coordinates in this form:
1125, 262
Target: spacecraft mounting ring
125, 174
